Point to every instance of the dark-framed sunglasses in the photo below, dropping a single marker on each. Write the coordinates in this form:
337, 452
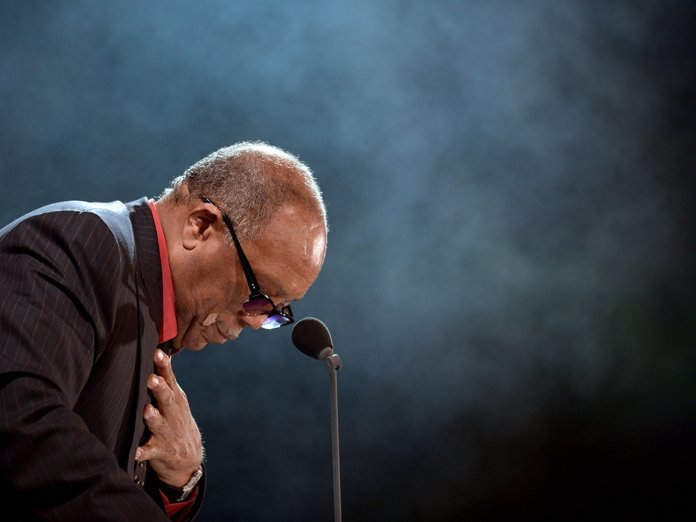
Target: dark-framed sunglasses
257, 303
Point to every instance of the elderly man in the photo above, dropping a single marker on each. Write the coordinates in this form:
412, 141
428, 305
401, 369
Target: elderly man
97, 297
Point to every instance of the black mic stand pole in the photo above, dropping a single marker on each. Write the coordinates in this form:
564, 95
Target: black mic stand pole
333, 363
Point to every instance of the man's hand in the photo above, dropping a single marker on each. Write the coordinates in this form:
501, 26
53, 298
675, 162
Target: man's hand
174, 450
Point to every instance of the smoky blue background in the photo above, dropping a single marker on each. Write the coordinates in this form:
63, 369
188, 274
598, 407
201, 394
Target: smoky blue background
510, 271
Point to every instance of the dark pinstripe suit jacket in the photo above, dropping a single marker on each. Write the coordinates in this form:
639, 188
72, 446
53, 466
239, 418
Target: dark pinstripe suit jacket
80, 305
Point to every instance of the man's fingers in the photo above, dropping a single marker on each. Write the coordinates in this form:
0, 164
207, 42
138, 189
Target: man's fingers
146, 452
153, 419
161, 390
163, 367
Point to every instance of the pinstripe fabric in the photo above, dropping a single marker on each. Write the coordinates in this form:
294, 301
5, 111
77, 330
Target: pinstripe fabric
80, 302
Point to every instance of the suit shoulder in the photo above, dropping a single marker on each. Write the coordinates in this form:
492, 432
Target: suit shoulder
77, 220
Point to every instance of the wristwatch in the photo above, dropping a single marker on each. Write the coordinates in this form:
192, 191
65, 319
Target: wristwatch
190, 484
182, 493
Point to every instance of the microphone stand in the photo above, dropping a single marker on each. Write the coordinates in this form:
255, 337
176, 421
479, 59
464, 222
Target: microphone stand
333, 364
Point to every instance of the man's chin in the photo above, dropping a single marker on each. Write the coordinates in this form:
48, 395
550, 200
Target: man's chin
192, 342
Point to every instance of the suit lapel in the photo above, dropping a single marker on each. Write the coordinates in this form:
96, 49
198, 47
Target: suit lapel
149, 311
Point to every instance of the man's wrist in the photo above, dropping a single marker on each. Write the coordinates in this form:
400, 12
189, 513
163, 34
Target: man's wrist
179, 494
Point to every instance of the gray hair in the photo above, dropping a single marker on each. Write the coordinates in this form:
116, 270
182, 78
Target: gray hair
250, 181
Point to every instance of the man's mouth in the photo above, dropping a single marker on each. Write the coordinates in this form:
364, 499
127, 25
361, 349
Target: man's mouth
221, 336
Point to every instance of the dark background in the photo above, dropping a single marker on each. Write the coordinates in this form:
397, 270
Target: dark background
510, 274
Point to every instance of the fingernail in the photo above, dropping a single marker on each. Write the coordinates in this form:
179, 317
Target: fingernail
138, 454
155, 381
160, 355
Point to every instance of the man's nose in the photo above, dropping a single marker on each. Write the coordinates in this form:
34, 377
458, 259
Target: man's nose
254, 322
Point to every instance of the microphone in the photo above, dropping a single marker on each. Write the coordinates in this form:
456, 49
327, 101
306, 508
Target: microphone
312, 338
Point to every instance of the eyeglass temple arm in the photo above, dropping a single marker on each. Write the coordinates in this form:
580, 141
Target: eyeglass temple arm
248, 272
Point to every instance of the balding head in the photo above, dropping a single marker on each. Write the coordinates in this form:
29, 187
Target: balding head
276, 210
252, 181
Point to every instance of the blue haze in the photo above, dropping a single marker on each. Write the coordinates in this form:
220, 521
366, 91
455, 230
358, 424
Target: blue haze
510, 274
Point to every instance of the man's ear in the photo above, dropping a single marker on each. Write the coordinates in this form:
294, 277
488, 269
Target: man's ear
198, 226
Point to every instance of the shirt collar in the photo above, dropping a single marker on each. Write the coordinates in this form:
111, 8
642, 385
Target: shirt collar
167, 329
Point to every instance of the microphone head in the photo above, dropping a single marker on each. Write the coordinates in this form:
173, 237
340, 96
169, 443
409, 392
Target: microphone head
311, 336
